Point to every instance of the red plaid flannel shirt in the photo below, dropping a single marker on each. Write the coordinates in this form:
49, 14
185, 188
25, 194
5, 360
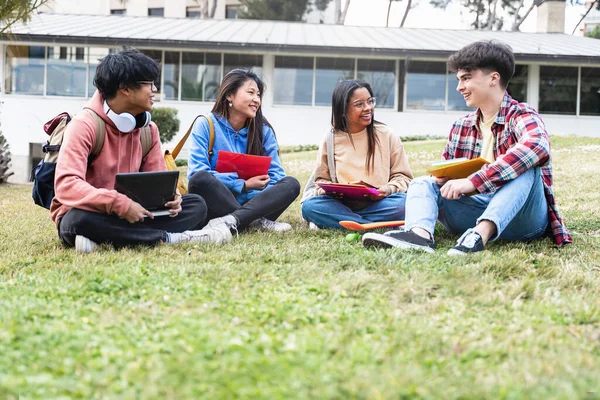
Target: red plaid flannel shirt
521, 143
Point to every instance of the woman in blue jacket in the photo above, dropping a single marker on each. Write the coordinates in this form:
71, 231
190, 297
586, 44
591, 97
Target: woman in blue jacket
241, 128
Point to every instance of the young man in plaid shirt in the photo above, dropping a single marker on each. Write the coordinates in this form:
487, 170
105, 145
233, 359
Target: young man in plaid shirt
514, 199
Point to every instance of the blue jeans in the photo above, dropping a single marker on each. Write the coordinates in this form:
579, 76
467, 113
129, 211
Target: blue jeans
326, 212
518, 209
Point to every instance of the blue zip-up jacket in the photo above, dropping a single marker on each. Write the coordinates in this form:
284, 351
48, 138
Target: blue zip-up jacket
226, 138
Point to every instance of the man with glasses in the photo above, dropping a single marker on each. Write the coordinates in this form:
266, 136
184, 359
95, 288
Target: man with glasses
86, 208
513, 197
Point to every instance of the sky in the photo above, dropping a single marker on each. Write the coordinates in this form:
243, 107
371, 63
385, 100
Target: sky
373, 13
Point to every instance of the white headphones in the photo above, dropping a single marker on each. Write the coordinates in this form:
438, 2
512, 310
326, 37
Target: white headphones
126, 122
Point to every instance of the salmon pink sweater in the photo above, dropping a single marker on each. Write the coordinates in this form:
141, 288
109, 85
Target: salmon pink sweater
91, 188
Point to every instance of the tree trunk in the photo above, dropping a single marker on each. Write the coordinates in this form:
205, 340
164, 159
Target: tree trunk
337, 11
584, 15
345, 12
213, 9
406, 13
519, 21
492, 20
387, 20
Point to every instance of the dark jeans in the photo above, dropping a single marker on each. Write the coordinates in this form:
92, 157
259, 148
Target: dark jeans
107, 228
270, 203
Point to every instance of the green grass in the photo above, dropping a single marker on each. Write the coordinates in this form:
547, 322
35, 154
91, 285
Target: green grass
305, 314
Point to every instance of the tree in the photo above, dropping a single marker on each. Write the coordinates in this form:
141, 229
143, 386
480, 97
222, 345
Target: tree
409, 6
595, 33
340, 14
166, 120
12, 11
205, 12
276, 10
592, 5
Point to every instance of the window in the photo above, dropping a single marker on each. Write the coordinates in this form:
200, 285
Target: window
156, 12
192, 12
200, 76
517, 86
426, 86
329, 72
293, 80
381, 75
246, 61
25, 69
120, 11
96, 55
170, 70
156, 55
590, 91
231, 12
558, 90
66, 75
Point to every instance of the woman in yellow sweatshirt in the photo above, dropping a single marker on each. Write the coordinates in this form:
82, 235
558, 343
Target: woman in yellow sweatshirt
363, 150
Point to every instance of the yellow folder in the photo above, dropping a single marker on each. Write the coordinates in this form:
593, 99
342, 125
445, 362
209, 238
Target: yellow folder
455, 169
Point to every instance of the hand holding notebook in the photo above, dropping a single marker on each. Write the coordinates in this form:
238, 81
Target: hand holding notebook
350, 190
245, 165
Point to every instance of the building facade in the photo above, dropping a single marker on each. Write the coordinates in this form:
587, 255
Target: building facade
47, 67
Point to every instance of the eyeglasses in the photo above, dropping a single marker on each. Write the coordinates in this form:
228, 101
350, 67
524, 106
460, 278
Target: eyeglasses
151, 83
361, 105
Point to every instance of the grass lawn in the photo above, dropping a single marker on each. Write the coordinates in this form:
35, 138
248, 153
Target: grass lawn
305, 314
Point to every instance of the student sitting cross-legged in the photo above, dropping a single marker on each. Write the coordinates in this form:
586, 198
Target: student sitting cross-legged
363, 150
514, 199
240, 127
86, 208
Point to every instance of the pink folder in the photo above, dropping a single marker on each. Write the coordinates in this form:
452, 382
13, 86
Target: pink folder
245, 165
348, 189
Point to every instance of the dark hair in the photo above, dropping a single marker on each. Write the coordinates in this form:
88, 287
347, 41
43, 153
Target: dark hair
340, 101
485, 55
124, 69
230, 84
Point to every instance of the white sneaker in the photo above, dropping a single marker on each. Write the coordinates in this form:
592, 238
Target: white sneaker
84, 245
313, 227
268, 225
228, 220
218, 234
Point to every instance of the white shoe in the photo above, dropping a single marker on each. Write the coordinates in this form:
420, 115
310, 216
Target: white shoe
313, 227
84, 245
228, 220
268, 225
218, 234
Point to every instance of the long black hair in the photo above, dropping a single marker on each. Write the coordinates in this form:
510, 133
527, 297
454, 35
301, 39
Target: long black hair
230, 84
340, 101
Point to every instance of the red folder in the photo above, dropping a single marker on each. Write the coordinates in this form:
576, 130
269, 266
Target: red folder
245, 165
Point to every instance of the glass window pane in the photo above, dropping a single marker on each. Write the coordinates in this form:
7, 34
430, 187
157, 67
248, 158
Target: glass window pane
246, 61
590, 91
558, 90
426, 85
96, 55
156, 12
381, 75
213, 76
66, 73
293, 80
517, 86
25, 69
170, 71
193, 74
156, 55
330, 71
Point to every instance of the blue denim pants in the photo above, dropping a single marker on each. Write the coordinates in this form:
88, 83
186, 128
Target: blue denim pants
326, 212
518, 209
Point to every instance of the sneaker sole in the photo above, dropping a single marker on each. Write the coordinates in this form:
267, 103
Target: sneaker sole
383, 241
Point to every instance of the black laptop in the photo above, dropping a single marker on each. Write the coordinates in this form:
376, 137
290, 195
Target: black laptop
151, 189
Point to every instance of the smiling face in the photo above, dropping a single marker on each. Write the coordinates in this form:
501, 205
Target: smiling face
359, 111
478, 86
142, 98
246, 100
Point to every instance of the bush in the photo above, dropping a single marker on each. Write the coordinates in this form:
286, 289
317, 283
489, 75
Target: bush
181, 162
166, 120
4, 156
296, 149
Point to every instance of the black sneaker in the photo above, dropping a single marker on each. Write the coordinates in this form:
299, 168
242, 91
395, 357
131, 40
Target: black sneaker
399, 239
469, 242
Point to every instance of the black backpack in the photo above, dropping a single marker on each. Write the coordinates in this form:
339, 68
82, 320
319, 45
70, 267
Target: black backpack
43, 174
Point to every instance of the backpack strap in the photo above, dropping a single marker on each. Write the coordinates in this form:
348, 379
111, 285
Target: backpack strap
331, 157
100, 127
146, 139
211, 140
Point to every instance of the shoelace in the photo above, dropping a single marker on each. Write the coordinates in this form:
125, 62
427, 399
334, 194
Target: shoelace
469, 238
